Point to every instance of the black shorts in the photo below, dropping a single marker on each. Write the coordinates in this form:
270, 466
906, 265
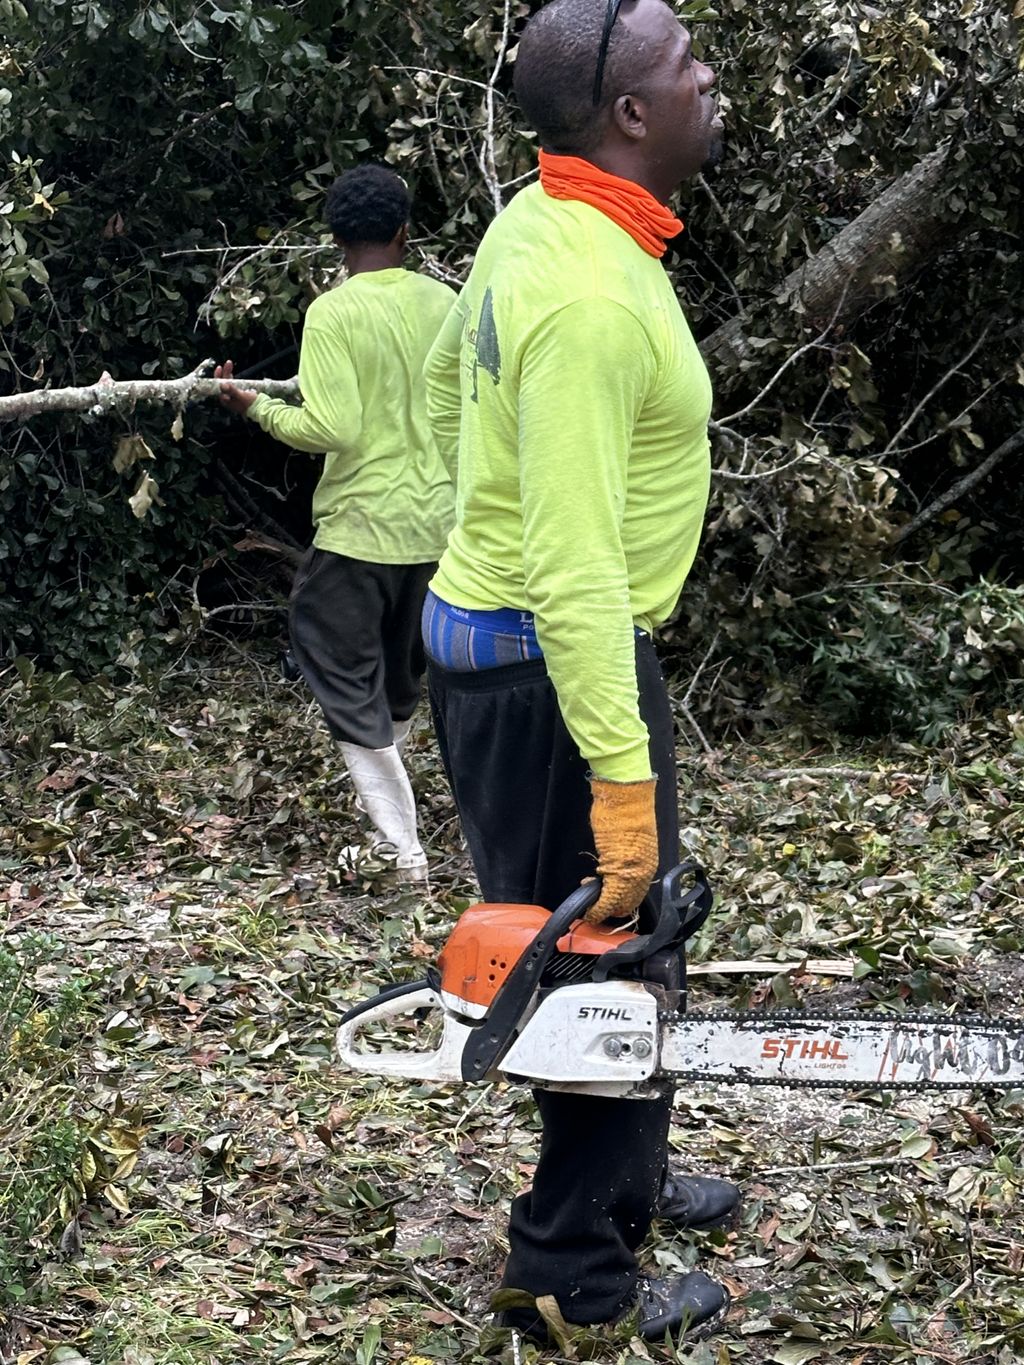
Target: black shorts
355, 633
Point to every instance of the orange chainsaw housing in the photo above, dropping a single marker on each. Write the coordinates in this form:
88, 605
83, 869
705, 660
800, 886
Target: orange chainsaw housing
488, 941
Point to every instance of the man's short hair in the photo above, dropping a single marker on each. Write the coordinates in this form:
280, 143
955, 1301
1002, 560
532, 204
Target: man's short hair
367, 204
556, 66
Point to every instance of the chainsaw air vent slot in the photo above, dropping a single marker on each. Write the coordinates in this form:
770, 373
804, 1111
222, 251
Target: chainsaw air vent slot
568, 969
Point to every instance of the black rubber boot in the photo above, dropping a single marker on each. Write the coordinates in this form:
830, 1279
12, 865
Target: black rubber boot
698, 1201
679, 1303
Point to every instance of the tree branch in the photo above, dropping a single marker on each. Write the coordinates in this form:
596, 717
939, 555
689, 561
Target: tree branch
884, 243
939, 384
111, 396
962, 486
789, 360
487, 158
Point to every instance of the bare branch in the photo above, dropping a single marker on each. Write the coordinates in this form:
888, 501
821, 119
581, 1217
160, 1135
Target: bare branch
701, 666
962, 486
955, 369
309, 250
239, 608
691, 720
199, 56
109, 396
431, 71
488, 162
791, 359
756, 474
954, 424
856, 774
437, 268
722, 215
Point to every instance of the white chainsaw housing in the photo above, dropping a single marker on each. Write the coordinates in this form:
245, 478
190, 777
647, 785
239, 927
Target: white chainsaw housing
594, 1039
587, 1034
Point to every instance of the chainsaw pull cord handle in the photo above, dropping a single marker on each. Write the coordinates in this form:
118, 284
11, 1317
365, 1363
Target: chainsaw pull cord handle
495, 1031
680, 915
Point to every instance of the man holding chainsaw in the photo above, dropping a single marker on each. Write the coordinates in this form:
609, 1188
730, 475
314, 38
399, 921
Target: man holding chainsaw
568, 383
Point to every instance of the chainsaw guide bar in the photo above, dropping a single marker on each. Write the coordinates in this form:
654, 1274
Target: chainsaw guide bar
844, 1050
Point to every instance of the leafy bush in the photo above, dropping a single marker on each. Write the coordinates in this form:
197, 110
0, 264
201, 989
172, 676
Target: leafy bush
910, 661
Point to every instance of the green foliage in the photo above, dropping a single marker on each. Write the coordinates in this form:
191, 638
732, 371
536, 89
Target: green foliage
29, 205
910, 661
904, 659
145, 221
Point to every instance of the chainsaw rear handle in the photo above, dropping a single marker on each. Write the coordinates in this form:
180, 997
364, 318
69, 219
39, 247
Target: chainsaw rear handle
680, 915
440, 1064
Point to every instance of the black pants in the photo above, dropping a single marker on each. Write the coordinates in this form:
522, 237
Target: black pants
524, 799
355, 633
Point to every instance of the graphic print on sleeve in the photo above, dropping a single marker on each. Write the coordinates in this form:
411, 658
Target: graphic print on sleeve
484, 340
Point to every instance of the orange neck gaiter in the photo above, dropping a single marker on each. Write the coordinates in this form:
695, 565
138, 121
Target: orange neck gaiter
626, 203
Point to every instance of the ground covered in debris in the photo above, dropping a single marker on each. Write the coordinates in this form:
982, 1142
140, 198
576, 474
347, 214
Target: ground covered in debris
186, 1177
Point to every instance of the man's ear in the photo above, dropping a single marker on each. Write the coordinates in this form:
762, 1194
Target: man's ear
401, 237
629, 114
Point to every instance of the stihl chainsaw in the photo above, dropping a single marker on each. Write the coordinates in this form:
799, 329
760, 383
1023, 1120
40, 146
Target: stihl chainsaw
545, 999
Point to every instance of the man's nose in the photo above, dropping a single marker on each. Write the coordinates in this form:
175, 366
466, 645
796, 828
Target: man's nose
705, 77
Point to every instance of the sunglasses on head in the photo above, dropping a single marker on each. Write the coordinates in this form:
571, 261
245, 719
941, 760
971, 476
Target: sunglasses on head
610, 15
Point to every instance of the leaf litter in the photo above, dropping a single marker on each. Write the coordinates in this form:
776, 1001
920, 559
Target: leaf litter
221, 1192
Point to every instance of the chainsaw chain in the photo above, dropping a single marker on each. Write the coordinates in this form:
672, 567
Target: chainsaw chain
1011, 1027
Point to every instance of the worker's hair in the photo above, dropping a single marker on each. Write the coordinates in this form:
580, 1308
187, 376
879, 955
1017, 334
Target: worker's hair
556, 66
367, 204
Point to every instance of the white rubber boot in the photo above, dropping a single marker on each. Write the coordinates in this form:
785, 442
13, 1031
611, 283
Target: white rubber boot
401, 729
384, 795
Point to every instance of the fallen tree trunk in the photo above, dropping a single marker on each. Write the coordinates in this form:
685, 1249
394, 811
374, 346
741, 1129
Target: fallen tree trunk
122, 396
877, 250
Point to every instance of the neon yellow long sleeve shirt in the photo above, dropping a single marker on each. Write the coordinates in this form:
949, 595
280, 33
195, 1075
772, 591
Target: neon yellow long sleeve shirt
568, 385
385, 494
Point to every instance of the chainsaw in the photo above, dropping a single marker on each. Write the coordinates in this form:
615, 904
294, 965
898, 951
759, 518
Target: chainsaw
544, 999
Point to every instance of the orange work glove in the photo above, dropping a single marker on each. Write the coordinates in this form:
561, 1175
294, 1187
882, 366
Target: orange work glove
626, 838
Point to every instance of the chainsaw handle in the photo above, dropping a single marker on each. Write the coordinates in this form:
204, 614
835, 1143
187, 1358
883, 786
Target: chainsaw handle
495, 1031
397, 992
680, 915
441, 1064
